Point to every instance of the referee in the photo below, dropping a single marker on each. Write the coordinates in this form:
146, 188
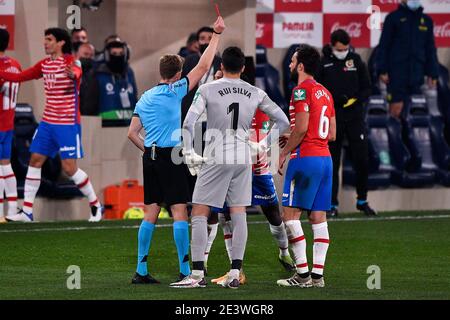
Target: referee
159, 113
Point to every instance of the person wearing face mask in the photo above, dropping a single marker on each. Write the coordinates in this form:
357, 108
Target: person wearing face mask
346, 76
204, 36
85, 53
406, 54
113, 92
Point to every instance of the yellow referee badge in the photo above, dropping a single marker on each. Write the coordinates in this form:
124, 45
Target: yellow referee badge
299, 95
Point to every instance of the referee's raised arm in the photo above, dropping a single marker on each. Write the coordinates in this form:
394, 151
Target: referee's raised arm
208, 56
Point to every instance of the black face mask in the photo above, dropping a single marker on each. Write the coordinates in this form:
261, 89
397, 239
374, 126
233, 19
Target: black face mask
86, 64
117, 64
203, 47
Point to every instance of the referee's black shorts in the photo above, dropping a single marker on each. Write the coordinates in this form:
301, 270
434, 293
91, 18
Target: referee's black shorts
164, 182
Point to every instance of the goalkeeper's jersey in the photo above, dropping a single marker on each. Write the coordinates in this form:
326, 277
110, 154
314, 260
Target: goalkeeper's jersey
230, 105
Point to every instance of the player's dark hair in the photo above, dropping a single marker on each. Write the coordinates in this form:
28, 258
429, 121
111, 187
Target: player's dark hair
110, 38
4, 39
204, 29
341, 36
78, 30
61, 35
309, 57
170, 65
233, 60
192, 38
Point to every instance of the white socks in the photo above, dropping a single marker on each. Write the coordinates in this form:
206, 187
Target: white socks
321, 244
298, 245
81, 179
280, 235
10, 188
32, 183
227, 227
212, 233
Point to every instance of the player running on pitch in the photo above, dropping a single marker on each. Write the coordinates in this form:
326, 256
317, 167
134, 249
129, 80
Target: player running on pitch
8, 99
230, 104
308, 180
263, 194
60, 129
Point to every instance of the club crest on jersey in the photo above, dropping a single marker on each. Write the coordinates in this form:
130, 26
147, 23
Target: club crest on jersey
265, 126
350, 65
300, 95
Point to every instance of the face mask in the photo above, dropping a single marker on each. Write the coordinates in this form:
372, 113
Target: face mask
117, 64
86, 64
413, 4
341, 55
203, 47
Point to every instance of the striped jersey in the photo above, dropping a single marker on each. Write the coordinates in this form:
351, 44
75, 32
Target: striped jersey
62, 93
261, 125
8, 94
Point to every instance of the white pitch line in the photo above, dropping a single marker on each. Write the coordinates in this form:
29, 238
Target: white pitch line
443, 216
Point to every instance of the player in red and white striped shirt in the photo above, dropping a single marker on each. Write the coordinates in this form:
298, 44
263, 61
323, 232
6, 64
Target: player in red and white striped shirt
59, 130
8, 99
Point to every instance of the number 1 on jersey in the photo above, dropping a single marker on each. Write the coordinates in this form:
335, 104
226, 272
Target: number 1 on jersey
234, 110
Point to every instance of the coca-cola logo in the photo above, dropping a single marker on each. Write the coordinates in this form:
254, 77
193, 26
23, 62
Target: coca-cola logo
442, 31
259, 30
354, 29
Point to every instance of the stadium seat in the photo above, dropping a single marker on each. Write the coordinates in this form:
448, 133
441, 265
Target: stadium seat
443, 90
380, 166
387, 152
425, 144
268, 78
52, 185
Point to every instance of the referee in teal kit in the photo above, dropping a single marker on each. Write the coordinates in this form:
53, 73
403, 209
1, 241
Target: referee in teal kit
159, 113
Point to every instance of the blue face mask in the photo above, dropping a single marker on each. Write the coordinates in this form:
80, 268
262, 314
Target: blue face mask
414, 4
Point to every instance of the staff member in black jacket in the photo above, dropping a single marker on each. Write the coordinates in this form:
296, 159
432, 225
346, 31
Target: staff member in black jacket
346, 76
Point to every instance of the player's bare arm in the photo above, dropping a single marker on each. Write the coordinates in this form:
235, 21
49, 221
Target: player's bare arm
208, 56
296, 137
133, 133
332, 133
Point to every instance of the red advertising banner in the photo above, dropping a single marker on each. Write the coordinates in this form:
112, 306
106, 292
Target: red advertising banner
281, 23
264, 29
387, 5
7, 22
441, 29
354, 24
298, 5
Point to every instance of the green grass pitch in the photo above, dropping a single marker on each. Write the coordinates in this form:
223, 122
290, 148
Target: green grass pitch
413, 255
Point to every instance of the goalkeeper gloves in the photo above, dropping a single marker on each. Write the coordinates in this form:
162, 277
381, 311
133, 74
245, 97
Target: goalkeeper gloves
258, 148
194, 161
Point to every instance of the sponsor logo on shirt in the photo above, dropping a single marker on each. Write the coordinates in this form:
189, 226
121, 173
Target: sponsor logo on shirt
300, 95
